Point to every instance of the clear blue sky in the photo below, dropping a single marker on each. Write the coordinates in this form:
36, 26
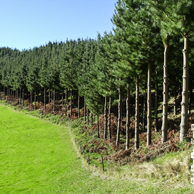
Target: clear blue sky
29, 23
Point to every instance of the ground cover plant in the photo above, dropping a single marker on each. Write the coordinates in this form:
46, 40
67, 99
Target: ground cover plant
39, 157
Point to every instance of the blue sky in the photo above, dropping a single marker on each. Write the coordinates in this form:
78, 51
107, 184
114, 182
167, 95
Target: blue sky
29, 23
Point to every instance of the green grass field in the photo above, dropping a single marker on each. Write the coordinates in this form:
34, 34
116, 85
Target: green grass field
39, 157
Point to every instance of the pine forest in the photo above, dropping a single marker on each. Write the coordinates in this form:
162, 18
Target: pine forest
132, 87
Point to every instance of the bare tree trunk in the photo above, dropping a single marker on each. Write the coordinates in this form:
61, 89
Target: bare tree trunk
71, 105
87, 116
98, 132
42, 94
175, 102
184, 103
137, 114
109, 117
11, 96
20, 96
23, 98
144, 112
66, 101
4, 92
91, 119
149, 118
78, 104
35, 99
127, 117
49, 96
7, 95
190, 96
105, 117
84, 110
31, 100
165, 93
156, 106
119, 119
14, 95
62, 98
54, 101
44, 100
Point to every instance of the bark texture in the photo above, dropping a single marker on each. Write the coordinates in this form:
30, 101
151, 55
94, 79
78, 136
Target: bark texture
149, 123
184, 103
34, 99
119, 119
87, 116
66, 101
137, 114
44, 100
105, 117
54, 101
156, 107
165, 92
109, 117
71, 105
84, 110
98, 132
78, 104
144, 112
127, 118
91, 119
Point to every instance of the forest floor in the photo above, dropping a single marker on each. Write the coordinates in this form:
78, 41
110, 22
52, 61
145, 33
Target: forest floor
167, 163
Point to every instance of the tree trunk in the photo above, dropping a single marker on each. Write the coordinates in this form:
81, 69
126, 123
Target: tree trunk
109, 117
137, 114
23, 98
31, 100
105, 117
44, 100
190, 96
42, 94
165, 92
20, 96
54, 101
11, 96
127, 117
71, 105
49, 97
87, 116
78, 104
149, 118
91, 119
62, 98
34, 99
156, 106
175, 102
14, 95
84, 110
144, 112
119, 119
66, 101
184, 103
4, 92
98, 132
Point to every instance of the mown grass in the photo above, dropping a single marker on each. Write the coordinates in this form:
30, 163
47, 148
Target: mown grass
37, 156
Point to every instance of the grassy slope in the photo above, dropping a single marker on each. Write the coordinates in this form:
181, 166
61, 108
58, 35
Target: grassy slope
38, 157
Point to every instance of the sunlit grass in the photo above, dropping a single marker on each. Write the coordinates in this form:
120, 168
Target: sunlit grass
39, 157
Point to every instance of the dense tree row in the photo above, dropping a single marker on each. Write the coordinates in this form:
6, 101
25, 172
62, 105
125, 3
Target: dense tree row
146, 43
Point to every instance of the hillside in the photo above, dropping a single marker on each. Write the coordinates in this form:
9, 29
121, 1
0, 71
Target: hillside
135, 176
